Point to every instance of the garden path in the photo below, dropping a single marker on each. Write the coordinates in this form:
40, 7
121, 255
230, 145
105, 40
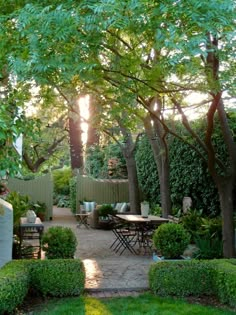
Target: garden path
105, 270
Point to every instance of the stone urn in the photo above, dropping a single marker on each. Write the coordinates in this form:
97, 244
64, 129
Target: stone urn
144, 209
31, 216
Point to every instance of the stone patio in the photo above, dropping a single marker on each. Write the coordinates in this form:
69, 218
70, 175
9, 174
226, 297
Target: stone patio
105, 270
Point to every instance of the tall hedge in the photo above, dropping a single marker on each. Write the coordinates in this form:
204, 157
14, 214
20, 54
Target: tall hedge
188, 177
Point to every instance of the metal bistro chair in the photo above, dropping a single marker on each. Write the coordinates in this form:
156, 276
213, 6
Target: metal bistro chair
145, 233
125, 237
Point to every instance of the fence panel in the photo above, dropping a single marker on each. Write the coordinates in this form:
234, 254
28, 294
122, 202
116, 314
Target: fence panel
39, 189
101, 191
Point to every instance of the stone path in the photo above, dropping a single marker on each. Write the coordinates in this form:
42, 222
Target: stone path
106, 271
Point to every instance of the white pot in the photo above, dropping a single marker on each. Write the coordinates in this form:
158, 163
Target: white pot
144, 209
31, 216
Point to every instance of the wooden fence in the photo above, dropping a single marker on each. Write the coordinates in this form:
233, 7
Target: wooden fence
101, 191
39, 189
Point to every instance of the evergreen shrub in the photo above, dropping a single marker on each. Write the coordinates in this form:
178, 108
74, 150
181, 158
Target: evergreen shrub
14, 284
61, 179
39, 277
182, 278
58, 278
171, 240
59, 242
225, 281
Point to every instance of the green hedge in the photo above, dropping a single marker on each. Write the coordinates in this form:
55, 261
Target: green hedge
57, 277
182, 278
226, 281
14, 284
188, 177
196, 278
42, 277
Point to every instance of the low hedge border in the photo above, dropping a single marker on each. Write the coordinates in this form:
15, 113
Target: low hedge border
56, 277
196, 278
181, 278
226, 281
14, 285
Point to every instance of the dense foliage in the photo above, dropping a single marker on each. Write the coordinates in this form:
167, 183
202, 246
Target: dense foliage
188, 177
57, 277
14, 284
97, 162
195, 278
39, 277
61, 181
182, 278
59, 242
171, 240
20, 204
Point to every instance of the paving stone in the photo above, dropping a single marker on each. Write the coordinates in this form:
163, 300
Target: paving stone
105, 270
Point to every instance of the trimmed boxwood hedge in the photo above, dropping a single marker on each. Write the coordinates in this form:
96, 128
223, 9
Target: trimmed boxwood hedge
226, 281
196, 278
14, 284
182, 278
58, 277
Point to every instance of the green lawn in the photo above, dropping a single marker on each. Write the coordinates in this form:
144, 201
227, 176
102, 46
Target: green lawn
143, 304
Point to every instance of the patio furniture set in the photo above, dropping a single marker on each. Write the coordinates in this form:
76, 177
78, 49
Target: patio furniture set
132, 232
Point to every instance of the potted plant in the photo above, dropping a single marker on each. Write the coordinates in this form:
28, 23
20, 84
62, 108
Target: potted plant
40, 209
171, 240
104, 211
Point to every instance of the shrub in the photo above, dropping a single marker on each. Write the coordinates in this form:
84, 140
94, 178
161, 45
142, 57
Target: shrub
59, 242
14, 283
105, 209
226, 280
73, 196
182, 278
20, 204
208, 248
192, 221
39, 208
61, 179
171, 239
42, 277
57, 277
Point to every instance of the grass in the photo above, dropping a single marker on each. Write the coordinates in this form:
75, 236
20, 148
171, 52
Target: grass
143, 304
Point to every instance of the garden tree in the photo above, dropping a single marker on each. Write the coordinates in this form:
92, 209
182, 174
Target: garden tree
70, 96
148, 49
117, 124
157, 136
47, 147
12, 124
195, 49
93, 121
43, 71
128, 146
76, 146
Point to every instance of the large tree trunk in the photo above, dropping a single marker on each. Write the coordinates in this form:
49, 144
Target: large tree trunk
75, 133
128, 150
93, 135
134, 193
160, 151
225, 189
